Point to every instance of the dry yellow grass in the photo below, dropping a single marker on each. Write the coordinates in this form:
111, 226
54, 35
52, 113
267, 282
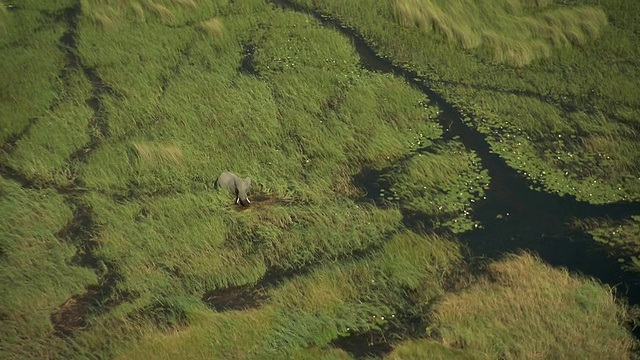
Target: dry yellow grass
106, 20
3, 14
107, 12
159, 10
158, 153
213, 27
138, 10
503, 28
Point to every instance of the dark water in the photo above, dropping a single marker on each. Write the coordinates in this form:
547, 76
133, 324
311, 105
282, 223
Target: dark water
513, 216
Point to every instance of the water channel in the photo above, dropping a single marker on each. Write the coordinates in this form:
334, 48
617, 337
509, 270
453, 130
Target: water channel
513, 216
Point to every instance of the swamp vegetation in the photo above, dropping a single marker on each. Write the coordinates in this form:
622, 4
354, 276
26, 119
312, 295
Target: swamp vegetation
431, 179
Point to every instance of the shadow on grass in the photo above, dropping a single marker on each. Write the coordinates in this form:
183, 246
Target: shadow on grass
82, 231
369, 344
236, 297
70, 316
376, 343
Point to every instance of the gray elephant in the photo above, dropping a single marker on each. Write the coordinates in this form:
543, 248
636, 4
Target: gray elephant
238, 187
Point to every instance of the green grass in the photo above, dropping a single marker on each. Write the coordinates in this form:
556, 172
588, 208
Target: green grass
595, 80
620, 238
510, 32
111, 228
37, 266
500, 315
316, 308
29, 84
442, 186
42, 155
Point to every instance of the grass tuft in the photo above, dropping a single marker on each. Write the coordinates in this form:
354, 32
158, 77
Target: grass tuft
525, 309
158, 153
159, 10
504, 29
213, 27
191, 4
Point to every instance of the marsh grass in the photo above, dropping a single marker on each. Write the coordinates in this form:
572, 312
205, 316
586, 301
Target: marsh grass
279, 97
213, 27
210, 112
580, 316
29, 85
504, 29
417, 349
620, 238
158, 153
595, 82
36, 265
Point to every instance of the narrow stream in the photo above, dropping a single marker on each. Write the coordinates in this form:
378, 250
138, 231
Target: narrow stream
513, 215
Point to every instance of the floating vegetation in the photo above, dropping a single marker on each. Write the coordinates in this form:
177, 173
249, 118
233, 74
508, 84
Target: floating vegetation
577, 89
442, 185
621, 238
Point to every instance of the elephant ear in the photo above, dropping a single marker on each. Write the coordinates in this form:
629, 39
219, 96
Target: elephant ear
247, 182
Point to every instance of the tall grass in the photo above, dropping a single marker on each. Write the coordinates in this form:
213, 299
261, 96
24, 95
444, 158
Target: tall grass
504, 29
418, 349
29, 84
593, 82
36, 269
501, 315
278, 97
42, 155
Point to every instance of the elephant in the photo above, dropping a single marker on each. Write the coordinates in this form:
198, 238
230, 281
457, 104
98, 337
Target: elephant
236, 186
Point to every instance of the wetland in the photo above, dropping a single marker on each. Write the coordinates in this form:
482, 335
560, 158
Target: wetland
430, 178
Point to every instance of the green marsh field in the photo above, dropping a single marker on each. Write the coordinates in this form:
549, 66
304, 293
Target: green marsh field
431, 179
